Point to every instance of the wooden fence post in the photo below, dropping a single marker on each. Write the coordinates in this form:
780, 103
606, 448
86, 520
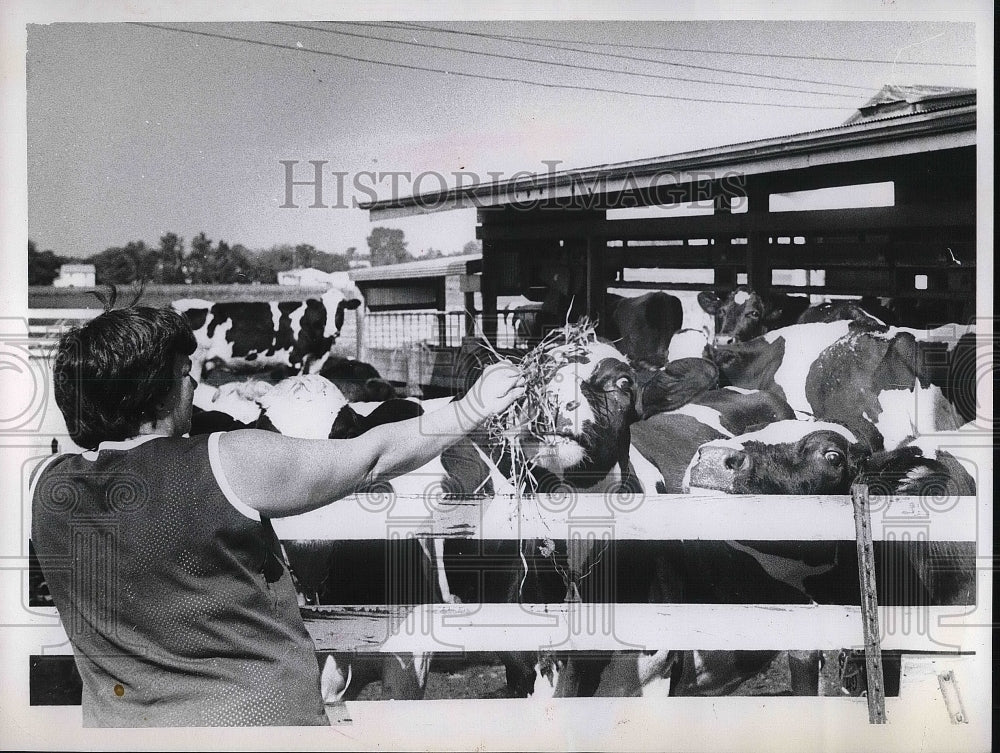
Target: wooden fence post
869, 604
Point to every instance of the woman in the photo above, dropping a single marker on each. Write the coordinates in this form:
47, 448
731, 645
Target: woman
157, 547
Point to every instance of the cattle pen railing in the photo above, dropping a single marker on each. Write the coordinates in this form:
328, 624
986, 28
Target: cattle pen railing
420, 348
46, 326
942, 637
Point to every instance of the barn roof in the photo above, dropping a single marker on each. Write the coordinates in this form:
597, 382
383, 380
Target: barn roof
445, 266
897, 99
898, 120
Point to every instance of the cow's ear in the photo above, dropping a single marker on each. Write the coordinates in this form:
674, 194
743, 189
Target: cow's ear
351, 304
709, 302
348, 424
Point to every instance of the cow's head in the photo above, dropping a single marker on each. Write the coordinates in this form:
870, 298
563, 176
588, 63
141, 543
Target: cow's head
591, 396
751, 365
645, 326
301, 406
786, 457
336, 301
740, 316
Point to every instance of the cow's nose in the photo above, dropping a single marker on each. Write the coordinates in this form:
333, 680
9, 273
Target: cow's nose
717, 467
736, 460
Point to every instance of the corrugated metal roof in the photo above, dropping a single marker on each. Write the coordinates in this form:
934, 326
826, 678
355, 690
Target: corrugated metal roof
940, 116
896, 100
444, 266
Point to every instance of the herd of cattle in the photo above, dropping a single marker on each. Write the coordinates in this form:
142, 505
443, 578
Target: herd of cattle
780, 398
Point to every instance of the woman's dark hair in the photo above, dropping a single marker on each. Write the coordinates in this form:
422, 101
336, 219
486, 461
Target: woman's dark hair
111, 373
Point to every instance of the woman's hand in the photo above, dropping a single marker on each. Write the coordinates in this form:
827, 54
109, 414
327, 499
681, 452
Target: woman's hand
495, 391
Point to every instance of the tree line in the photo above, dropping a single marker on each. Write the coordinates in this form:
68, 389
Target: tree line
206, 262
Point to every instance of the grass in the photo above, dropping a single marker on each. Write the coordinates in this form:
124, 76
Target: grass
48, 297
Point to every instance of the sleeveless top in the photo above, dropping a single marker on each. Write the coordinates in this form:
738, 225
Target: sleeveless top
173, 593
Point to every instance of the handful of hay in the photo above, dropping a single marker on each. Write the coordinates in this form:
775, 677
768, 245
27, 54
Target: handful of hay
536, 412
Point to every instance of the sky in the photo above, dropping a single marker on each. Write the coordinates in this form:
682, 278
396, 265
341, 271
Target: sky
135, 131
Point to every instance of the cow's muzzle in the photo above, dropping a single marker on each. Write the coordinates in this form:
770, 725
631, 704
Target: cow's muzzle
717, 467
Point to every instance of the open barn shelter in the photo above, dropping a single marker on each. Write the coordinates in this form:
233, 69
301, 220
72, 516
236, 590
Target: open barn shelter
415, 313
881, 205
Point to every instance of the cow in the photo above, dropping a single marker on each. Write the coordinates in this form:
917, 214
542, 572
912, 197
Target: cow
259, 335
744, 313
882, 383
642, 327
687, 375
669, 439
792, 457
919, 313
357, 380
835, 311
525, 321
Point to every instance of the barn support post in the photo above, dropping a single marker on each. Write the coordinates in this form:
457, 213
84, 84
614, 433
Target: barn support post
596, 284
489, 284
723, 276
758, 265
470, 315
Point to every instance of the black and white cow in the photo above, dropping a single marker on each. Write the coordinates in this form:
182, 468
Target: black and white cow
835, 311
292, 334
883, 383
919, 313
687, 375
669, 439
357, 380
744, 313
642, 327
793, 457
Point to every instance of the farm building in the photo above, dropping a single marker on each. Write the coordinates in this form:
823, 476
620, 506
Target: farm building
75, 276
304, 277
881, 205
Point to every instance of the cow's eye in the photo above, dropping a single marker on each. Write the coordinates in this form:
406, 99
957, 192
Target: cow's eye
834, 458
753, 314
623, 383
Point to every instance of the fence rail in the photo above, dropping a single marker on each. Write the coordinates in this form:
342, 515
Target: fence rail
46, 326
654, 517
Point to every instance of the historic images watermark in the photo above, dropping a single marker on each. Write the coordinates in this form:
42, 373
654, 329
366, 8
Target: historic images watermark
313, 184
26, 377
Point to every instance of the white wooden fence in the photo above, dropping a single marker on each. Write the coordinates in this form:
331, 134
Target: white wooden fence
45, 326
946, 631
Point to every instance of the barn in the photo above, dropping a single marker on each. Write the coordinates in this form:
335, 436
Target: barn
882, 205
